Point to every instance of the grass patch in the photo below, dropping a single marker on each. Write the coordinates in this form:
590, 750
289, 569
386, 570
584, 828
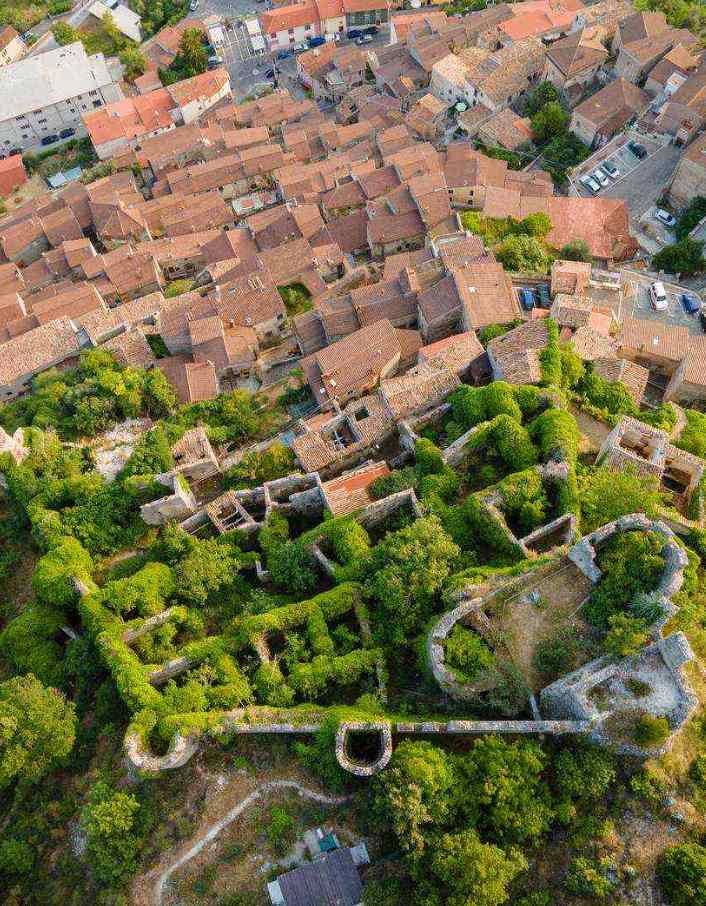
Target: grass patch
296, 298
157, 345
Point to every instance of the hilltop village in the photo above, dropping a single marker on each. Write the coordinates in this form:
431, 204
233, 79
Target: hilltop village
353, 454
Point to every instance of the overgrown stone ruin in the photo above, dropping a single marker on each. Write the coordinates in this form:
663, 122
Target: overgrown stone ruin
568, 706
610, 694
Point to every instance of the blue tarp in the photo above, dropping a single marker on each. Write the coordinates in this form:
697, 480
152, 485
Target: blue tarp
64, 177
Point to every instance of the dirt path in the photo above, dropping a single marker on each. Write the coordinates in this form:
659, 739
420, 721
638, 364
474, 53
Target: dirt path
212, 832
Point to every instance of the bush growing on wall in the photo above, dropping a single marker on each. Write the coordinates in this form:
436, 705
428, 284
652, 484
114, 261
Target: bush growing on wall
52, 579
556, 434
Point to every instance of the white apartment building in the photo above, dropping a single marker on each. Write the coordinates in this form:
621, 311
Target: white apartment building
46, 95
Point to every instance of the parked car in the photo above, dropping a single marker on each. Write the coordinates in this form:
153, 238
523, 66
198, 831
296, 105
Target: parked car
702, 319
527, 299
353, 33
317, 41
194, 5
665, 217
610, 169
50, 139
15, 151
214, 61
371, 30
637, 149
270, 74
591, 184
364, 39
67, 133
658, 296
283, 54
691, 303
600, 177
299, 48
543, 293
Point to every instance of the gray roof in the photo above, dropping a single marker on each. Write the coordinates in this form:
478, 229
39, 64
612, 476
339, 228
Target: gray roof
333, 881
49, 78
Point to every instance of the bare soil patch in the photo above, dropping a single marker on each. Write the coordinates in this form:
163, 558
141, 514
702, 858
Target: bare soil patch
523, 622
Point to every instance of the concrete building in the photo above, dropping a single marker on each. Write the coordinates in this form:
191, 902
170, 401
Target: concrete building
47, 95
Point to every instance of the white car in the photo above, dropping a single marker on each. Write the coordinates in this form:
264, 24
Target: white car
600, 177
658, 296
591, 184
665, 217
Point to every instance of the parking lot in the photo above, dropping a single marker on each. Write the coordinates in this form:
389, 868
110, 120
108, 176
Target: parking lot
641, 307
622, 158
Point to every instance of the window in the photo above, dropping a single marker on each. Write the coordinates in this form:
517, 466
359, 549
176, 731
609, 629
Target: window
273, 34
307, 27
291, 31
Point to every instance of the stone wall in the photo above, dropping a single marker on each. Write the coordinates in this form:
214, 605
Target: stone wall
178, 505
659, 664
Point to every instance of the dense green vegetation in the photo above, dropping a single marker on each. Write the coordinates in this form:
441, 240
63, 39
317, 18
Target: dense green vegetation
469, 817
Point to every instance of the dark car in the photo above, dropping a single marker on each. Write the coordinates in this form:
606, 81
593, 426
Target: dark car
67, 133
543, 293
691, 303
371, 30
270, 74
637, 149
702, 319
527, 299
283, 54
354, 33
50, 139
317, 41
14, 152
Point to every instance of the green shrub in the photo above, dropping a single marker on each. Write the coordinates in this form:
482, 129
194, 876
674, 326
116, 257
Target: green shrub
651, 731
281, 830
632, 563
626, 635
398, 480
29, 643
16, 857
428, 458
585, 878
682, 873
349, 540
555, 656
467, 654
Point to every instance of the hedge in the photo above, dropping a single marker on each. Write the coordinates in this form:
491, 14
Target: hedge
311, 679
557, 435
550, 357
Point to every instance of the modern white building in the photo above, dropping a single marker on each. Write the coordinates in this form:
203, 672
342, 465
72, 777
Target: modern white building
45, 96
